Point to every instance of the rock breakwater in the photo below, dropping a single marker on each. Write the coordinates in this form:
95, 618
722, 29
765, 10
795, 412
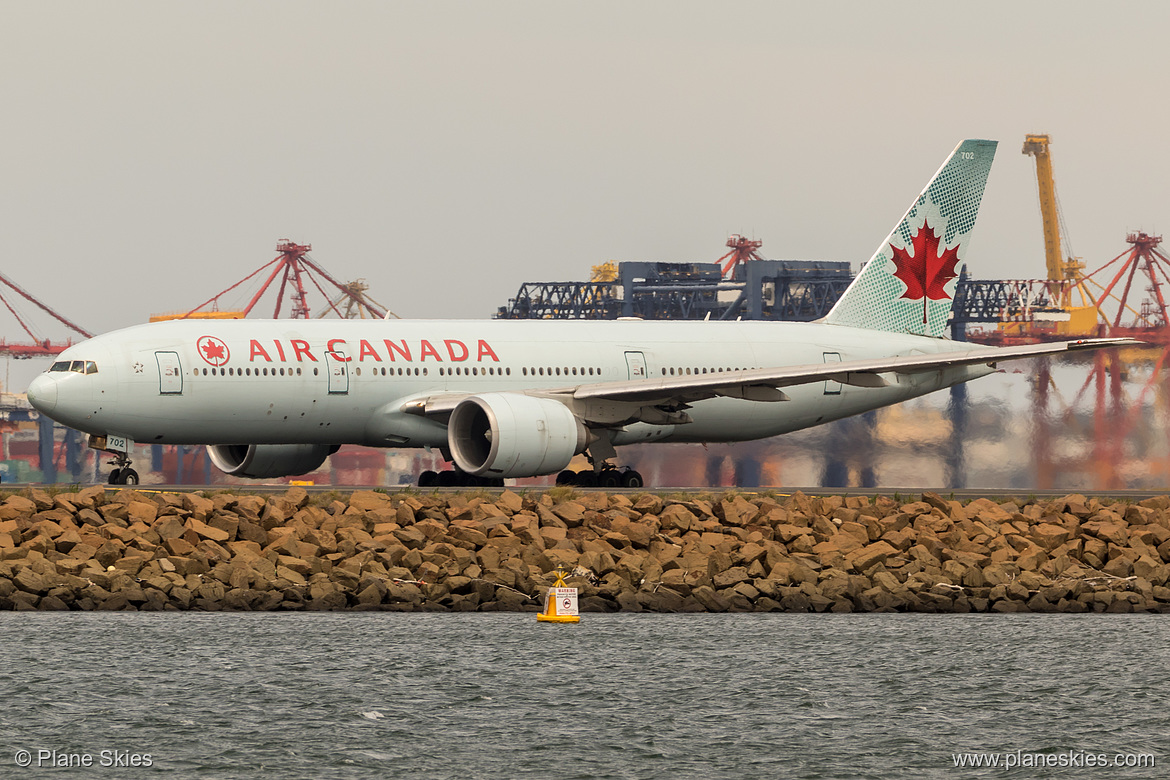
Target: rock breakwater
105, 549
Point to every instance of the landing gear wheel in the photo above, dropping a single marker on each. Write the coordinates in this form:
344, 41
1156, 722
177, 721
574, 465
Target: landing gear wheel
632, 479
115, 476
609, 478
567, 478
428, 479
586, 478
128, 477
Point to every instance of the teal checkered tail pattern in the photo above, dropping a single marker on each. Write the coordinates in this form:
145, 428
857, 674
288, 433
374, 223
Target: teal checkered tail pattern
909, 284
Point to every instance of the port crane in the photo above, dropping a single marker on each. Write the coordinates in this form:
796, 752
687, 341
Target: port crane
38, 347
298, 274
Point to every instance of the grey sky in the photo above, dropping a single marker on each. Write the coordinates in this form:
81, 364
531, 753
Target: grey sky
447, 151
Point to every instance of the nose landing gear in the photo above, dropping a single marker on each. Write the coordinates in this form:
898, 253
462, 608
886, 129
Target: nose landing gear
122, 473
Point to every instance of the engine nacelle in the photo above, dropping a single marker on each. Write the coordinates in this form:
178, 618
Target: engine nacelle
513, 435
262, 461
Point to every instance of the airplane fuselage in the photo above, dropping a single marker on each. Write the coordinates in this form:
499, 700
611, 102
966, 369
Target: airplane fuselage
346, 381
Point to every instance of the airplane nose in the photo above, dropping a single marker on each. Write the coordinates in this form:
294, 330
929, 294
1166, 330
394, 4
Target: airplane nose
42, 393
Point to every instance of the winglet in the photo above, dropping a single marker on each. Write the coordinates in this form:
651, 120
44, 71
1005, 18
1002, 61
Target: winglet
909, 284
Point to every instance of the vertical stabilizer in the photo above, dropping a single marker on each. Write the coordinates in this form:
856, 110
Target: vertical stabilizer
909, 284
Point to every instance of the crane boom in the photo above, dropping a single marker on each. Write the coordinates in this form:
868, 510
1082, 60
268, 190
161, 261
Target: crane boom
1037, 146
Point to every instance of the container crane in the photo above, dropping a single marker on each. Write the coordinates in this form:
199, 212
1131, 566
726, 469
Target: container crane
38, 347
1064, 273
743, 250
294, 268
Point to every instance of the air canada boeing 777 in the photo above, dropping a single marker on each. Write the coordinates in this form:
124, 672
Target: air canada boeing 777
520, 398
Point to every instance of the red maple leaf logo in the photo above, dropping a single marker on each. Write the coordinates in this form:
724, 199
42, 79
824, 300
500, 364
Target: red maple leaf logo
927, 272
213, 350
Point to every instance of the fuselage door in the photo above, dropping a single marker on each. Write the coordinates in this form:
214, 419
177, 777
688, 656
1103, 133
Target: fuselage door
831, 387
336, 363
636, 363
170, 373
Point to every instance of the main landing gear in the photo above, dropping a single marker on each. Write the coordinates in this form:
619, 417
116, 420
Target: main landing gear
456, 478
608, 477
122, 473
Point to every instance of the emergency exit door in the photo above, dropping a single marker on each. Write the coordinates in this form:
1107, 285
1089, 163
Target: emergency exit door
170, 373
636, 364
337, 365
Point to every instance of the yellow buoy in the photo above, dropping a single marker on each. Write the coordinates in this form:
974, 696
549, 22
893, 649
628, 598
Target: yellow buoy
560, 603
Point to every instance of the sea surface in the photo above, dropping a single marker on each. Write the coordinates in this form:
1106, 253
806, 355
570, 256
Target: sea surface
390, 695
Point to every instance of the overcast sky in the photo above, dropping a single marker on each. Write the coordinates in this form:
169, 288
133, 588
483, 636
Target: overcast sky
448, 151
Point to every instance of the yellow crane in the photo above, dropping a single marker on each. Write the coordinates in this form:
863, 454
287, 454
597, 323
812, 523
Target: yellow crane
1065, 272
606, 272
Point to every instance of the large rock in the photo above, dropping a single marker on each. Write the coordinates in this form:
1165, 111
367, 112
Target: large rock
736, 511
677, 518
205, 531
865, 558
1113, 531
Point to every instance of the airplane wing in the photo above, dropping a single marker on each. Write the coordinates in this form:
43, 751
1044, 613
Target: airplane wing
763, 384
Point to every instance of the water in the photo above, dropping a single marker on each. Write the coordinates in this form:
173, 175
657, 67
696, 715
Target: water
333, 695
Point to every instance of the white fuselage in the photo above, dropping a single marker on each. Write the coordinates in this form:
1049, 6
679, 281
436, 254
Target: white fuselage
346, 381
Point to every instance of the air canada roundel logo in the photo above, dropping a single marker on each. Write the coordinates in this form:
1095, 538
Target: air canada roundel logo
212, 350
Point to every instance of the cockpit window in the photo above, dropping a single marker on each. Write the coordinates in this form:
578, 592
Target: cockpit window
77, 366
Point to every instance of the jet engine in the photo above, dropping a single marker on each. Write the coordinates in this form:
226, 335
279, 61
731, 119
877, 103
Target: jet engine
261, 461
513, 435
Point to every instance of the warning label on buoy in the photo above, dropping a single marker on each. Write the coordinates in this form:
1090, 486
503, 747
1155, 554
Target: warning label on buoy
566, 600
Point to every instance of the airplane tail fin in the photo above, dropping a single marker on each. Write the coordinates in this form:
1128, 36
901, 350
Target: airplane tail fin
909, 284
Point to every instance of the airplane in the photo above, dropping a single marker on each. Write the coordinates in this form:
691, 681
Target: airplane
521, 398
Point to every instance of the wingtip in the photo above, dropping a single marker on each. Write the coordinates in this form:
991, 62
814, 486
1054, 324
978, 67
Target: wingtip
1104, 343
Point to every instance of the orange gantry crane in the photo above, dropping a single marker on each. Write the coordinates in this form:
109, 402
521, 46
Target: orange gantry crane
38, 347
298, 274
743, 249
